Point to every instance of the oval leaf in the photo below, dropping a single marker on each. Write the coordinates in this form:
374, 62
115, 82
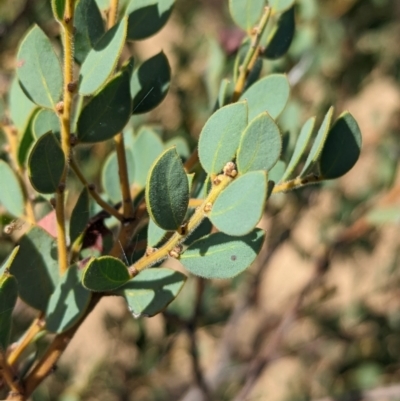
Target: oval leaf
21, 107
146, 148
147, 17
167, 191
246, 13
46, 164
318, 144
109, 175
300, 148
281, 37
8, 299
11, 195
80, 216
107, 112
150, 83
39, 70
105, 274
68, 302
220, 136
342, 147
152, 291
222, 256
279, 6
89, 28
260, 146
239, 208
36, 268
268, 94
102, 59
46, 120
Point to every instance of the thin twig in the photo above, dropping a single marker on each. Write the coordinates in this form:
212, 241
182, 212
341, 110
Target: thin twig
297, 183
34, 329
111, 210
250, 57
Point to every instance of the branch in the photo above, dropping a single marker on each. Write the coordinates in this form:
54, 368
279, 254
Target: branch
65, 119
35, 328
251, 55
297, 183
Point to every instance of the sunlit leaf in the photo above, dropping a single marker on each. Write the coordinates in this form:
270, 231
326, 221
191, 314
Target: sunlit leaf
38, 69
220, 136
222, 256
11, 194
239, 208
104, 274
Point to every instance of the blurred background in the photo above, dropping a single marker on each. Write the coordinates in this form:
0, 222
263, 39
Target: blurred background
318, 314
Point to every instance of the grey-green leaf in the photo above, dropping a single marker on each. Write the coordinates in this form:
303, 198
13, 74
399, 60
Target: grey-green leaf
146, 148
11, 195
281, 37
21, 107
246, 13
110, 176
152, 291
36, 268
107, 112
46, 164
89, 28
80, 216
155, 234
277, 171
147, 17
220, 136
300, 148
46, 120
220, 256
239, 208
150, 83
318, 144
105, 274
100, 63
39, 70
268, 94
167, 191
342, 147
8, 299
68, 302
260, 146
